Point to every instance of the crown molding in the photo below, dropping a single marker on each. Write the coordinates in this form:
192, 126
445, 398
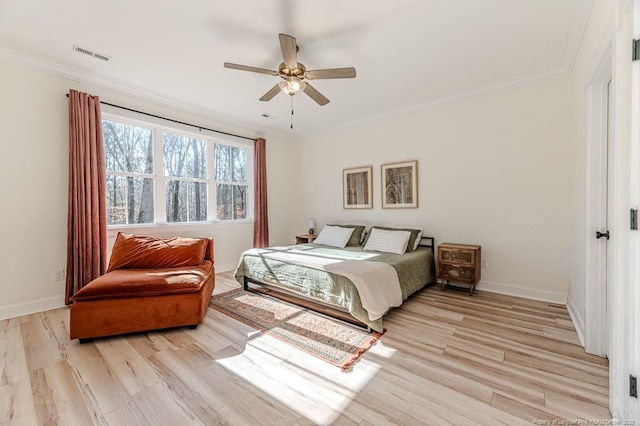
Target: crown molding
578, 29
125, 89
459, 97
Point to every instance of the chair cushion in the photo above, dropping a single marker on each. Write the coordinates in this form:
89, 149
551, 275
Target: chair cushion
140, 252
144, 282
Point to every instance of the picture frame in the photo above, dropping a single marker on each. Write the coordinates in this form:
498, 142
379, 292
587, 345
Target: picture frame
399, 185
357, 188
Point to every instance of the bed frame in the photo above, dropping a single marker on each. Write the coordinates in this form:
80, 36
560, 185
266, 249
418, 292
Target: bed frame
318, 306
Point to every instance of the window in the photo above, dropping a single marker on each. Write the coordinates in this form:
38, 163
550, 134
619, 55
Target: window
231, 182
185, 167
161, 175
129, 168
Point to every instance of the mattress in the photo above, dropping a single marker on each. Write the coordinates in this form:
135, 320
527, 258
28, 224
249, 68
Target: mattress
415, 269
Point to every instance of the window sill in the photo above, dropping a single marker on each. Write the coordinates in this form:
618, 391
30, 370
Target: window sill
165, 228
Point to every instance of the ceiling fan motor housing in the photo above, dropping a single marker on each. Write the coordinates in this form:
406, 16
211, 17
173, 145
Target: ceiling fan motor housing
298, 72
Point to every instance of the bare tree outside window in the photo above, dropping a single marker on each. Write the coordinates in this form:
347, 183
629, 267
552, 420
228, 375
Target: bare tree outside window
231, 182
129, 173
137, 175
185, 166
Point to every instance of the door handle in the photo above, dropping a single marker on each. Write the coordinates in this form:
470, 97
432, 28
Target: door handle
601, 234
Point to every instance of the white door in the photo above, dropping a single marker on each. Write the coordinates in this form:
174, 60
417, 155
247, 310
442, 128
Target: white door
599, 171
607, 261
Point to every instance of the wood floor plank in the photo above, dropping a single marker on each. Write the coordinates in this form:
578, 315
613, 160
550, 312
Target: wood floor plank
13, 360
41, 347
576, 405
447, 358
133, 371
264, 408
524, 411
104, 386
58, 399
160, 406
16, 404
207, 402
128, 414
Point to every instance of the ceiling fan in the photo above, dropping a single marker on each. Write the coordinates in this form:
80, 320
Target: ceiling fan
294, 74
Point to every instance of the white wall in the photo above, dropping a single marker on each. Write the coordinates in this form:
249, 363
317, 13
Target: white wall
493, 170
34, 153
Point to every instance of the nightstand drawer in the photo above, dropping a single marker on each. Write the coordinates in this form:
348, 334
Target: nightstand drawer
457, 272
459, 263
457, 256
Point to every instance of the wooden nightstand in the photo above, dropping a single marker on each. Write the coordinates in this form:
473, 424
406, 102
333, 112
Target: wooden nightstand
459, 263
304, 239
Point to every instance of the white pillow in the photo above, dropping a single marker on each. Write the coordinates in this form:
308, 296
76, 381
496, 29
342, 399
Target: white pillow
388, 241
334, 236
418, 238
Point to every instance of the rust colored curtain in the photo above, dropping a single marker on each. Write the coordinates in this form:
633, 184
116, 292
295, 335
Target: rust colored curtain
87, 221
261, 222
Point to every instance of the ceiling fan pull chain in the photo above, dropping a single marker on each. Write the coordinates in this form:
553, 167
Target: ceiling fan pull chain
291, 96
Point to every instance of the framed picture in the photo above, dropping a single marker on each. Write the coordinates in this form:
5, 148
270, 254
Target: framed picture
356, 188
400, 185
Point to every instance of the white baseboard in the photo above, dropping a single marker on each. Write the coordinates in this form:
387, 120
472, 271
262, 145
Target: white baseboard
224, 267
31, 307
511, 290
578, 321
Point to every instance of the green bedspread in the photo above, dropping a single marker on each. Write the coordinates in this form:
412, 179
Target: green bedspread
415, 270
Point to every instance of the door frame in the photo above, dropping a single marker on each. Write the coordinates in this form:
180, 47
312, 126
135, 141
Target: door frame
597, 206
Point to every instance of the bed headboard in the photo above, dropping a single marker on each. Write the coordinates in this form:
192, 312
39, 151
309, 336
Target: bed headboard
428, 242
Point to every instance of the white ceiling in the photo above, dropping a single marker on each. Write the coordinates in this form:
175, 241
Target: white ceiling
409, 54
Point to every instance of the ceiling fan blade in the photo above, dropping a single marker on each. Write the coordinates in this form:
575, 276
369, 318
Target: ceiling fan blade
289, 50
270, 94
315, 95
331, 73
250, 69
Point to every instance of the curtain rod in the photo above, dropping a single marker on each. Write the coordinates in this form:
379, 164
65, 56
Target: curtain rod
175, 121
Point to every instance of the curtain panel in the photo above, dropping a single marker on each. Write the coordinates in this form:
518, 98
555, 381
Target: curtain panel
261, 221
86, 222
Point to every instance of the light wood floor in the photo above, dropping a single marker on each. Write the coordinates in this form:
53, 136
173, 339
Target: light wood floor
447, 358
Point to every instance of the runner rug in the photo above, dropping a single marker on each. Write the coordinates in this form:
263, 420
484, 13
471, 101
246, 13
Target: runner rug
328, 339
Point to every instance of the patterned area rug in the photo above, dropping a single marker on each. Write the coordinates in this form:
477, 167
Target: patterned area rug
325, 338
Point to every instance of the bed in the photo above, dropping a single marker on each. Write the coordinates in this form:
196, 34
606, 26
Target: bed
330, 279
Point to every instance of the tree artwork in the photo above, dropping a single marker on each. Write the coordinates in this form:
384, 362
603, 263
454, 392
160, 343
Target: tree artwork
400, 185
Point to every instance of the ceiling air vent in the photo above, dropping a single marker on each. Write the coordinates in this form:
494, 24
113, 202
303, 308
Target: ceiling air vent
90, 52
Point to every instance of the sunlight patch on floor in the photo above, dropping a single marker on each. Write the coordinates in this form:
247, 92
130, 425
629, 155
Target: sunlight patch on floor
311, 387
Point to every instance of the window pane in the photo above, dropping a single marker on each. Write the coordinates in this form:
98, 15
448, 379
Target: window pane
239, 164
184, 157
240, 202
224, 195
223, 163
129, 200
186, 201
127, 148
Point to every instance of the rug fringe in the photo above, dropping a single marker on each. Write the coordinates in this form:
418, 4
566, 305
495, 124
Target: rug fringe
355, 357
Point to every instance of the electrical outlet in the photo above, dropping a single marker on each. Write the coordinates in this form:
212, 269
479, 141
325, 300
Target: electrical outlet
484, 263
59, 275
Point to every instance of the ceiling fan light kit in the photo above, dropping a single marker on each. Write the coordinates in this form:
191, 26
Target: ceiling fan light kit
293, 74
292, 87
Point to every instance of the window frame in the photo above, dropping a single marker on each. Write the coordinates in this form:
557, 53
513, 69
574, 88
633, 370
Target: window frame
160, 179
